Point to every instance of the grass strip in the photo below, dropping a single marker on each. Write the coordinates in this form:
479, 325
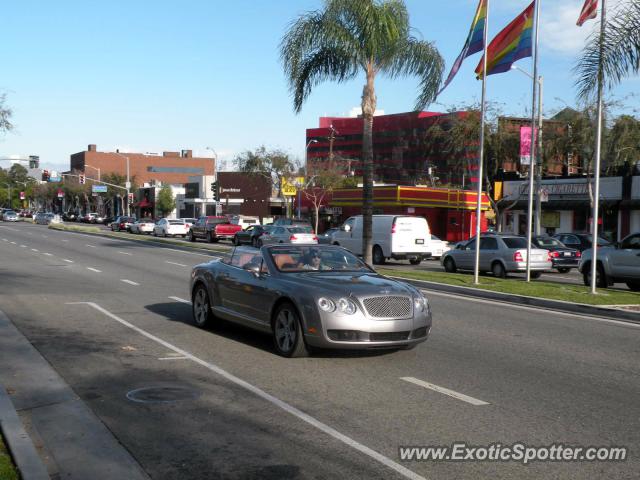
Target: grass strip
74, 228
516, 286
7, 468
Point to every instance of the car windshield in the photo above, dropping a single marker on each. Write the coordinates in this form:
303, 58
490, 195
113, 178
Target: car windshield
176, 222
300, 229
313, 258
515, 242
548, 242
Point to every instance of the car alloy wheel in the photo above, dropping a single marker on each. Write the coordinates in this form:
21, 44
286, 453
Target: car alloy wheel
449, 265
202, 315
498, 270
287, 333
378, 256
601, 278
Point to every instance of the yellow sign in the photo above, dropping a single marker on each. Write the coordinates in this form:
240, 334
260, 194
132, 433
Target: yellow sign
289, 186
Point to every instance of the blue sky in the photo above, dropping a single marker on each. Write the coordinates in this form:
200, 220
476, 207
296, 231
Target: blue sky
148, 76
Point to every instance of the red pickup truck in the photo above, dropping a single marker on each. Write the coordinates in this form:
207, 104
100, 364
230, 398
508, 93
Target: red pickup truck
212, 229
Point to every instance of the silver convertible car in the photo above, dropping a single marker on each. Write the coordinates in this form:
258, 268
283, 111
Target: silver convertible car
310, 296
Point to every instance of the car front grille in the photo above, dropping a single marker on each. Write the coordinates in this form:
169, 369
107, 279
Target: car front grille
388, 336
388, 307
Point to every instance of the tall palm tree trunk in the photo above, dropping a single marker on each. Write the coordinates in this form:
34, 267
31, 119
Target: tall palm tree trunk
368, 109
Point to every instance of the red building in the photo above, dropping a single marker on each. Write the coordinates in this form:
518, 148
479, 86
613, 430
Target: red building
451, 213
170, 167
403, 152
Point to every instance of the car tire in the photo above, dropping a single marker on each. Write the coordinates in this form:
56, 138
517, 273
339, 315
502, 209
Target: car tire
288, 339
259, 243
201, 307
378, 256
634, 286
210, 237
254, 242
154, 232
563, 270
498, 270
236, 242
415, 261
535, 275
601, 277
450, 265
190, 236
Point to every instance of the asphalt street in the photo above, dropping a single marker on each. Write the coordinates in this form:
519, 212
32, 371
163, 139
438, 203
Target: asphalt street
112, 317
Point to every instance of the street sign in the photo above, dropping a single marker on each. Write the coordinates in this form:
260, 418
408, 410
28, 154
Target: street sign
127, 185
544, 195
289, 190
55, 179
99, 188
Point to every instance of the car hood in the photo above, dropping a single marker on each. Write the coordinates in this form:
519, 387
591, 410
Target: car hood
356, 283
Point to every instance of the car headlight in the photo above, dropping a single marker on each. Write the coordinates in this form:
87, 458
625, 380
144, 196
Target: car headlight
347, 306
419, 303
326, 304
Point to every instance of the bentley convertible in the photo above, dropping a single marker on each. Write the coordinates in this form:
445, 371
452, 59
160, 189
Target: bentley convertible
309, 296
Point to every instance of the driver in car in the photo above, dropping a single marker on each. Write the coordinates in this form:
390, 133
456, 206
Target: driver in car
313, 261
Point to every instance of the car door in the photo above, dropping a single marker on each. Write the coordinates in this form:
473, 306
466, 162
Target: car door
465, 259
571, 241
344, 236
198, 228
488, 252
625, 260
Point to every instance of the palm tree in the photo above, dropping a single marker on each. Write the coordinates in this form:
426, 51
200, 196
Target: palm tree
349, 37
620, 50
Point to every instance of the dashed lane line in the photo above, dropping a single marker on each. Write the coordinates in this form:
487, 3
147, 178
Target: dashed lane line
130, 282
67, 260
445, 391
124, 253
175, 263
181, 300
94, 269
35, 250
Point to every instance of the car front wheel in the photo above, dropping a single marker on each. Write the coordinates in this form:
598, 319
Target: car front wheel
287, 333
190, 236
601, 277
201, 307
415, 261
449, 265
378, 256
498, 270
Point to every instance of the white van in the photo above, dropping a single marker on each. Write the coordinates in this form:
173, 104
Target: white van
401, 237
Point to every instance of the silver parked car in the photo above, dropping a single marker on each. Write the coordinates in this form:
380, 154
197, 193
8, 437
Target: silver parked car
289, 234
10, 216
309, 296
616, 263
499, 254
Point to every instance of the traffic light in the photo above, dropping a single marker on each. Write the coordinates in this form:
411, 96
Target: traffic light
45, 175
81, 179
216, 191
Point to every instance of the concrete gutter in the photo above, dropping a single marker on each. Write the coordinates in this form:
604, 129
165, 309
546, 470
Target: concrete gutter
556, 305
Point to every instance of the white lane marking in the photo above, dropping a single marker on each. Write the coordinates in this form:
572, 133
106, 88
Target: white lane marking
35, 250
67, 260
48, 254
13, 243
64, 240
445, 391
173, 358
92, 246
45, 236
181, 300
23, 246
94, 270
5, 240
130, 282
495, 303
266, 396
175, 263
124, 253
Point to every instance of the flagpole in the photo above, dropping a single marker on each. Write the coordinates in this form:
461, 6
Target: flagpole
476, 269
596, 200
532, 152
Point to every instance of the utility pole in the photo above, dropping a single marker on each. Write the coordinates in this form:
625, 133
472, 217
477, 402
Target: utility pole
332, 138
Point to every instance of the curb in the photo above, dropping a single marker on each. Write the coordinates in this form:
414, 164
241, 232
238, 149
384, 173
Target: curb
557, 305
20, 446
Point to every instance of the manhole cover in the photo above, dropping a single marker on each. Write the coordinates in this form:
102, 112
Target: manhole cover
161, 394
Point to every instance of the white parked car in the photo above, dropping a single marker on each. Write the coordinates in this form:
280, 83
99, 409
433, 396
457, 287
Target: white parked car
401, 237
142, 226
173, 227
289, 234
10, 216
245, 221
438, 247
190, 221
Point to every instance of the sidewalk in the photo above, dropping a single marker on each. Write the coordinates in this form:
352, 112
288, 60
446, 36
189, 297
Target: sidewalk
65, 439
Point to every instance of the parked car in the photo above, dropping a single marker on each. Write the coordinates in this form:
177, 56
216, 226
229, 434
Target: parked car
144, 225
563, 258
10, 216
401, 237
289, 222
325, 238
252, 235
616, 263
122, 223
347, 306
438, 247
70, 216
499, 254
174, 227
213, 229
580, 241
290, 234
244, 221
43, 218
190, 221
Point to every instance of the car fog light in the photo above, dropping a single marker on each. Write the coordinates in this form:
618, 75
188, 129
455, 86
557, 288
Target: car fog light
326, 304
347, 306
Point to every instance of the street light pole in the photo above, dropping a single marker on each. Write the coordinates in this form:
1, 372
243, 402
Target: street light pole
215, 176
91, 166
128, 184
306, 171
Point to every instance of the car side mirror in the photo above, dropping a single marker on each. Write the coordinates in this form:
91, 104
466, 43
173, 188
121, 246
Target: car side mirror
255, 269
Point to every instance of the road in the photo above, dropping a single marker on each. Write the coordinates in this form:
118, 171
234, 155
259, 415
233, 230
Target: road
112, 317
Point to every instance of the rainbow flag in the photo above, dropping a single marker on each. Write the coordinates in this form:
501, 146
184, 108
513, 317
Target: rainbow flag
474, 43
511, 44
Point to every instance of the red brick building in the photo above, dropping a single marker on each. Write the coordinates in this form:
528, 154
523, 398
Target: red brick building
170, 167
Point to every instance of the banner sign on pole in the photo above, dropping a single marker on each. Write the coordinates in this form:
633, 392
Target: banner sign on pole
22, 196
525, 145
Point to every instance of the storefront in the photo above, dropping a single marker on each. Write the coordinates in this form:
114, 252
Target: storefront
566, 206
451, 213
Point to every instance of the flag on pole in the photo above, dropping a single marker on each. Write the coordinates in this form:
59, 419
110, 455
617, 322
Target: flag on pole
511, 44
589, 11
474, 42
